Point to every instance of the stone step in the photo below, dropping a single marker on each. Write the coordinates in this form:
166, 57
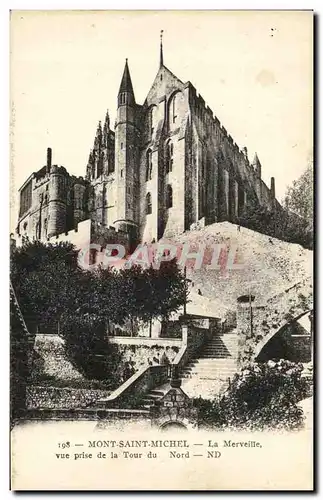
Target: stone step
211, 370
209, 360
215, 349
153, 396
219, 355
156, 392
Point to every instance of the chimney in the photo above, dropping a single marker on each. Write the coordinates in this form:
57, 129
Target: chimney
49, 159
272, 187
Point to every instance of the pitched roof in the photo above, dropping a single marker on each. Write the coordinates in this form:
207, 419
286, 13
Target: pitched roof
126, 84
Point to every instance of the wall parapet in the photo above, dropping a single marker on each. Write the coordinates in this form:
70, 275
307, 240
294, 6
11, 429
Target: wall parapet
136, 386
137, 341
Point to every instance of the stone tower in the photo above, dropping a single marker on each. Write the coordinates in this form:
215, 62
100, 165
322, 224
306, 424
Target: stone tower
57, 210
126, 154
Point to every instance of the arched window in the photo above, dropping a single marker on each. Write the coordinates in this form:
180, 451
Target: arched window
174, 109
148, 204
169, 156
99, 169
175, 106
169, 196
149, 165
151, 120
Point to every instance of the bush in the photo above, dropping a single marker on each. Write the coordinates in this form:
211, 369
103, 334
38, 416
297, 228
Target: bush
262, 396
50, 381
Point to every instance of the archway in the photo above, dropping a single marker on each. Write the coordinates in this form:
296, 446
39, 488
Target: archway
173, 425
292, 341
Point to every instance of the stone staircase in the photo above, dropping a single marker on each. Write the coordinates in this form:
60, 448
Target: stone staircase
207, 373
210, 371
153, 396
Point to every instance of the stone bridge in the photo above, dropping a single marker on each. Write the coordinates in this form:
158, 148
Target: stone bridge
257, 324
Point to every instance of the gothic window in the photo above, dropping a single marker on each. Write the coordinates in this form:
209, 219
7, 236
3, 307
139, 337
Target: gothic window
169, 196
46, 199
45, 226
100, 166
25, 226
151, 120
169, 156
174, 109
149, 165
122, 98
121, 173
148, 204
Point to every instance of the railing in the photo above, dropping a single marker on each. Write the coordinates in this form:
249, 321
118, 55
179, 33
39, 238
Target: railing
132, 390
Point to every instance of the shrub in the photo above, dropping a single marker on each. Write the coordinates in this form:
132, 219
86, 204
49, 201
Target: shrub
262, 396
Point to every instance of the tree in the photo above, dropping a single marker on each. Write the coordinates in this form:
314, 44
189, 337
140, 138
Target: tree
165, 291
299, 196
45, 280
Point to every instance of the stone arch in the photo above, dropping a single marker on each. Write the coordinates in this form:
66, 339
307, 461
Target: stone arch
173, 425
258, 324
264, 342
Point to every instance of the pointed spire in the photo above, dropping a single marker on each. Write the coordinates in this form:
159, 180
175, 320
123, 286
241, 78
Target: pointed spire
161, 59
257, 165
126, 84
98, 135
256, 161
107, 121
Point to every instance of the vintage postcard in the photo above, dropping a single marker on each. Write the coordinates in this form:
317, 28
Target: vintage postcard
161, 283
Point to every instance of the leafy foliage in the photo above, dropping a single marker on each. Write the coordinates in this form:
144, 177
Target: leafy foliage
52, 289
278, 223
262, 396
299, 196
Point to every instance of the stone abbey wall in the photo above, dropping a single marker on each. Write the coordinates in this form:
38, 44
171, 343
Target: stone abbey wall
169, 164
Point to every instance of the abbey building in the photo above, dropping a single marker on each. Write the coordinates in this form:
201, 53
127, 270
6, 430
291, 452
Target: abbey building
167, 166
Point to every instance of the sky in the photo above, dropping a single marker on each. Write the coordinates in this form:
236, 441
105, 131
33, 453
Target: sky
253, 69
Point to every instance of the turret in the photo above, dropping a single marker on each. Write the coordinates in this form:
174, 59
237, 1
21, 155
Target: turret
49, 160
57, 201
272, 188
126, 149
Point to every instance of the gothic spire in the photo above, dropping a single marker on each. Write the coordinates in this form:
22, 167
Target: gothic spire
256, 161
161, 59
257, 165
107, 121
98, 135
126, 84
